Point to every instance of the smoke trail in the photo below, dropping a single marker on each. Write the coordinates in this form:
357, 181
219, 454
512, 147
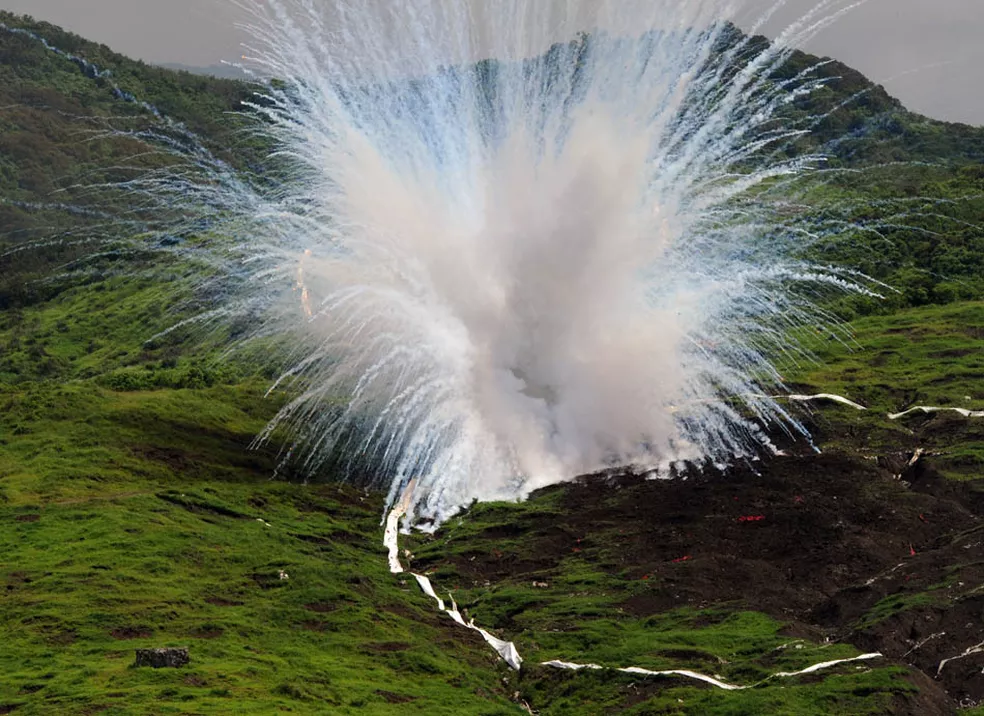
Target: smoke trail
506, 243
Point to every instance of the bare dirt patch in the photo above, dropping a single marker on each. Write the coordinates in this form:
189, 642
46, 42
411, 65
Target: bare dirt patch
132, 632
387, 647
207, 632
392, 698
321, 607
824, 543
316, 626
220, 602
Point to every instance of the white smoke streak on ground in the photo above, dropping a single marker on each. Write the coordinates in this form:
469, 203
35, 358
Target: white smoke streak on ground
929, 410
825, 396
391, 540
494, 276
508, 652
710, 679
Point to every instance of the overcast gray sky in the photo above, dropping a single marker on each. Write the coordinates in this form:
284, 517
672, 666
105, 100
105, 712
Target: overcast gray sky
928, 53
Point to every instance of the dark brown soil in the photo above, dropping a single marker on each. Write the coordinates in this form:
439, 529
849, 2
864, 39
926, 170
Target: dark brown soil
199, 506
27, 518
386, 647
317, 626
62, 638
130, 632
220, 602
816, 541
93, 709
321, 607
392, 698
177, 460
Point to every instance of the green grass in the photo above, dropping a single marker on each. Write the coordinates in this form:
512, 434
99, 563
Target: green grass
923, 356
132, 504
133, 512
136, 515
133, 520
862, 692
926, 356
91, 580
574, 613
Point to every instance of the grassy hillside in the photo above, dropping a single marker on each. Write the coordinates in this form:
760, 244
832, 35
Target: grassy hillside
920, 357
61, 149
135, 514
133, 520
143, 520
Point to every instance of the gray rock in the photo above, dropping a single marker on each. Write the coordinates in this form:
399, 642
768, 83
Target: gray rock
171, 657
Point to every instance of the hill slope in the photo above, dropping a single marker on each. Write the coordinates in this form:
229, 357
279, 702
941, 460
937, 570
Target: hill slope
134, 513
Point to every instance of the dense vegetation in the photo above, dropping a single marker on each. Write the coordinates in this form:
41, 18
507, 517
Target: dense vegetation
912, 187
70, 128
133, 512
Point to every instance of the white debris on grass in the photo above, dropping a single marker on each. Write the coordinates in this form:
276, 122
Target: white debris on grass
507, 649
710, 679
826, 396
928, 410
969, 651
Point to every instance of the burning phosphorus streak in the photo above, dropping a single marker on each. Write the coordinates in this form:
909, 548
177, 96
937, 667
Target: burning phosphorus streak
825, 396
930, 410
507, 650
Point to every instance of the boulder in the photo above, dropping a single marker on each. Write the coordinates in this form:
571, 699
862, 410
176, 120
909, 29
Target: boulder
170, 657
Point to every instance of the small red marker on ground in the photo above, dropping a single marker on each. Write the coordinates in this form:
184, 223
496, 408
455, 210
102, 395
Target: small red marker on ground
684, 558
923, 518
912, 551
751, 518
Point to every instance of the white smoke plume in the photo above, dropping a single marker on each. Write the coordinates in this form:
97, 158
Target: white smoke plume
514, 241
